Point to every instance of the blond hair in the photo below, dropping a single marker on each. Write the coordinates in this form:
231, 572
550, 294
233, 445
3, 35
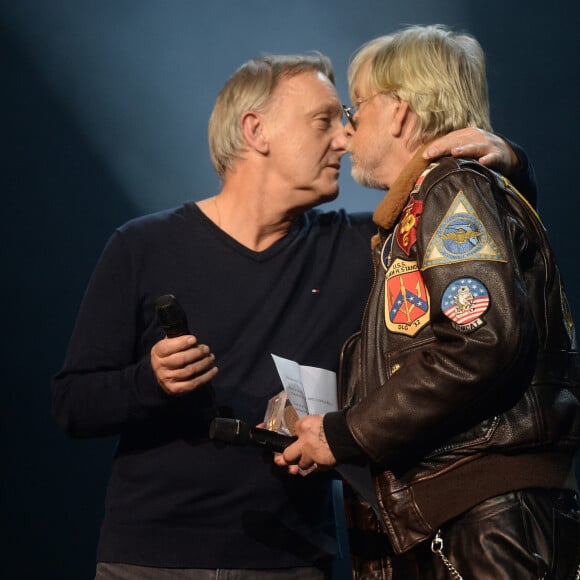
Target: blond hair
250, 89
440, 74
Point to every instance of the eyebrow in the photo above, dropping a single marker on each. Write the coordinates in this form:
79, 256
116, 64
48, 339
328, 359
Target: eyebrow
330, 107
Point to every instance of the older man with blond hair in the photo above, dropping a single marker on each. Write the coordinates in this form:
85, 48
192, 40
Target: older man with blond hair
462, 390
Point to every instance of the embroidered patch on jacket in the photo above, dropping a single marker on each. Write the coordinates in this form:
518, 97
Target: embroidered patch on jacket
422, 177
464, 302
386, 252
407, 227
460, 236
406, 298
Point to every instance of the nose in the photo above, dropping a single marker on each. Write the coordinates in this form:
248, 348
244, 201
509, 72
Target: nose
348, 129
339, 141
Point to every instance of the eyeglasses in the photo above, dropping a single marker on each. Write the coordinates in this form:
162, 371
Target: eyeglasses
350, 112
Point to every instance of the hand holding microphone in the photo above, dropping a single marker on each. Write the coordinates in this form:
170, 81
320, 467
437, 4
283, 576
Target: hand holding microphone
236, 431
168, 358
179, 363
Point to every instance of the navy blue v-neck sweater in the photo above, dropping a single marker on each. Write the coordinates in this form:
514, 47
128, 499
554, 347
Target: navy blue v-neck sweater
175, 498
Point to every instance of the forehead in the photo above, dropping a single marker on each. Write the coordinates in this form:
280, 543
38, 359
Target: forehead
362, 82
307, 90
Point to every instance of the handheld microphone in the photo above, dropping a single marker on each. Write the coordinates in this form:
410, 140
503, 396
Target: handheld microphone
173, 319
171, 316
236, 431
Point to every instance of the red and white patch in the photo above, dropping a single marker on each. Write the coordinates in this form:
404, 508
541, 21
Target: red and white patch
407, 228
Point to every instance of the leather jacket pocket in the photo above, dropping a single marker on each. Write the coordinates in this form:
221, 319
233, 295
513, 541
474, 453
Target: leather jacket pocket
396, 358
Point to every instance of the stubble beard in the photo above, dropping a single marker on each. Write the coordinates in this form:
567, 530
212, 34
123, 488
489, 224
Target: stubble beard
363, 172
365, 178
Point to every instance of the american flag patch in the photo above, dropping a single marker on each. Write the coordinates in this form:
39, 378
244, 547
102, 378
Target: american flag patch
464, 302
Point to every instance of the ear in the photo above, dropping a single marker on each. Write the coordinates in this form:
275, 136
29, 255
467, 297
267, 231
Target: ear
253, 132
401, 116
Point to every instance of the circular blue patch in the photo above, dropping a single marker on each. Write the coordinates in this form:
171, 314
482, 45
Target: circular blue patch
465, 300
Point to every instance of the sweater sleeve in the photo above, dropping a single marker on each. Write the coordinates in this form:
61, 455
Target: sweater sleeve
523, 177
106, 381
340, 440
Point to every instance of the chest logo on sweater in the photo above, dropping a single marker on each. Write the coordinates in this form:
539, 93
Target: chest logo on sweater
464, 302
407, 228
460, 236
406, 298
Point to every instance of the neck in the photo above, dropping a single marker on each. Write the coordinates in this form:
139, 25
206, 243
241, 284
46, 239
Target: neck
251, 218
394, 201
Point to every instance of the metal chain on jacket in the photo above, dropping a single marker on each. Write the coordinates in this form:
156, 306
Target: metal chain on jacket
437, 548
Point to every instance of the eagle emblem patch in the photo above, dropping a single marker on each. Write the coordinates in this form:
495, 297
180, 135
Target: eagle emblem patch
460, 236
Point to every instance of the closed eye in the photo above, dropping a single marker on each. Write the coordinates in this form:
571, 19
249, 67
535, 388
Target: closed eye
324, 122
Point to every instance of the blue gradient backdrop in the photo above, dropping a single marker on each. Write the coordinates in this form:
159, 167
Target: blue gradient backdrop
104, 115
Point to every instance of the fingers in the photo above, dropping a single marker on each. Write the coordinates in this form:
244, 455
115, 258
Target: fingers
479, 151
492, 159
189, 371
311, 451
452, 142
176, 386
292, 455
471, 142
184, 359
294, 469
169, 346
311, 469
486, 153
295, 462
474, 143
280, 461
474, 150
180, 365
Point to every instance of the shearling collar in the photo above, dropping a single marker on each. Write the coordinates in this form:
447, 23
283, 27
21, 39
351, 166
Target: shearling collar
392, 204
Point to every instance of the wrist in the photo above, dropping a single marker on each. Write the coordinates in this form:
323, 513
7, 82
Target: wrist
339, 438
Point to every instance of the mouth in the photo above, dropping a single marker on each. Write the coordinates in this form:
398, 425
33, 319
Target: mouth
334, 166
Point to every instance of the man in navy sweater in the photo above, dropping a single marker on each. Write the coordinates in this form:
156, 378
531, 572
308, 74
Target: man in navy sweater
257, 271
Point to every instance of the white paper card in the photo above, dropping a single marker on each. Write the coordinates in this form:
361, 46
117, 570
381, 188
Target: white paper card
311, 390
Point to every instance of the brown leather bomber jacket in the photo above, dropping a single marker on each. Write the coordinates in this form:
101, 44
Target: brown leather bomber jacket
464, 381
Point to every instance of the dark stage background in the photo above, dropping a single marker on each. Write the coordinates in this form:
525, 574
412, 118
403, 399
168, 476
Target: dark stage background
105, 106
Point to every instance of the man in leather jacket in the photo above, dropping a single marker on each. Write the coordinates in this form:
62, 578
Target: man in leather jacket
461, 392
